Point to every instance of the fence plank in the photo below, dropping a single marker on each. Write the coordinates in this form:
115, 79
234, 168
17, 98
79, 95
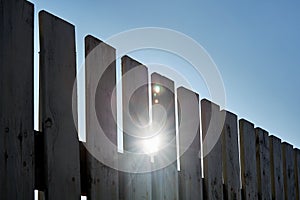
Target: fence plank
190, 175
230, 150
263, 164
135, 103
100, 97
165, 180
212, 162
39, 147
248, 160
16, 101
297, 171
135, 120
288, 171
83, 168
57, 75
276, 168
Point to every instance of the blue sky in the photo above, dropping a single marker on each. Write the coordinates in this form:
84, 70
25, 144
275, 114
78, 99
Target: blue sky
255, 45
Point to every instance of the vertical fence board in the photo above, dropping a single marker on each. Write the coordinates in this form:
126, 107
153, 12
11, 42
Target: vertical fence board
263, 164
213, 185
135, 118
230, 154
57, 75
248, 160
165, 180
135, 103
39, 161
16, 102
83, 168
276, 168
190, 175
100, 98
288, 171
297, 171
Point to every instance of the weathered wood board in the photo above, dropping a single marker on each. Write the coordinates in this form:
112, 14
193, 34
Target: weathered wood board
100, 76
297, 171
288, 171
213, 185
230, 157
135, 185
248, 160
165, 180
16, 101
276, 164
57, 78
263, 164
190, 175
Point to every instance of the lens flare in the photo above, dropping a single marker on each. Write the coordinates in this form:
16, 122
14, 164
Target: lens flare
156, 89
151, 146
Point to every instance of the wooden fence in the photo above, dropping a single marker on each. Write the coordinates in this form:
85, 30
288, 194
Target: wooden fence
245, 162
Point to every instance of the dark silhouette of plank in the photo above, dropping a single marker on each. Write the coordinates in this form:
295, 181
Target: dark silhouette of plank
57, 77
16, 101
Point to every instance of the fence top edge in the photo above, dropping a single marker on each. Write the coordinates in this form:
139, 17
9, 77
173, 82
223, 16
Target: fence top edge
187, 90
245, 121
227, 112
206, 101
46, 13
273, 137
94, 38
258, 129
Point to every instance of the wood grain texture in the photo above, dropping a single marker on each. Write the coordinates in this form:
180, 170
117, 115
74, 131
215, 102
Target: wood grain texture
135, 99
288, 171
276, 165
263, 164
248, 160
190, 175
165, 180
101, 108
213, 186
57, 75
16, 102
230, 156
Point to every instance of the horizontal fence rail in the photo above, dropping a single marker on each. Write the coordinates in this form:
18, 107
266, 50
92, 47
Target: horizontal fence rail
188, 157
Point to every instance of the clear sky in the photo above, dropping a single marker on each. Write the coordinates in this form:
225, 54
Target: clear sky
255, 44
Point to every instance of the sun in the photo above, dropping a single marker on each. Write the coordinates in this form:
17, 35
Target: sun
151, 146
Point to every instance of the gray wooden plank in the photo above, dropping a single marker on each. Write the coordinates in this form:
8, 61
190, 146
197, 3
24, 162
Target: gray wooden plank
165, 180
276, 168
135, 103
230, 157
16, 102
297, 171
57, 75
248, 160
100, 97
212, 162
263, 164
288, 171
190, 175
135, 185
